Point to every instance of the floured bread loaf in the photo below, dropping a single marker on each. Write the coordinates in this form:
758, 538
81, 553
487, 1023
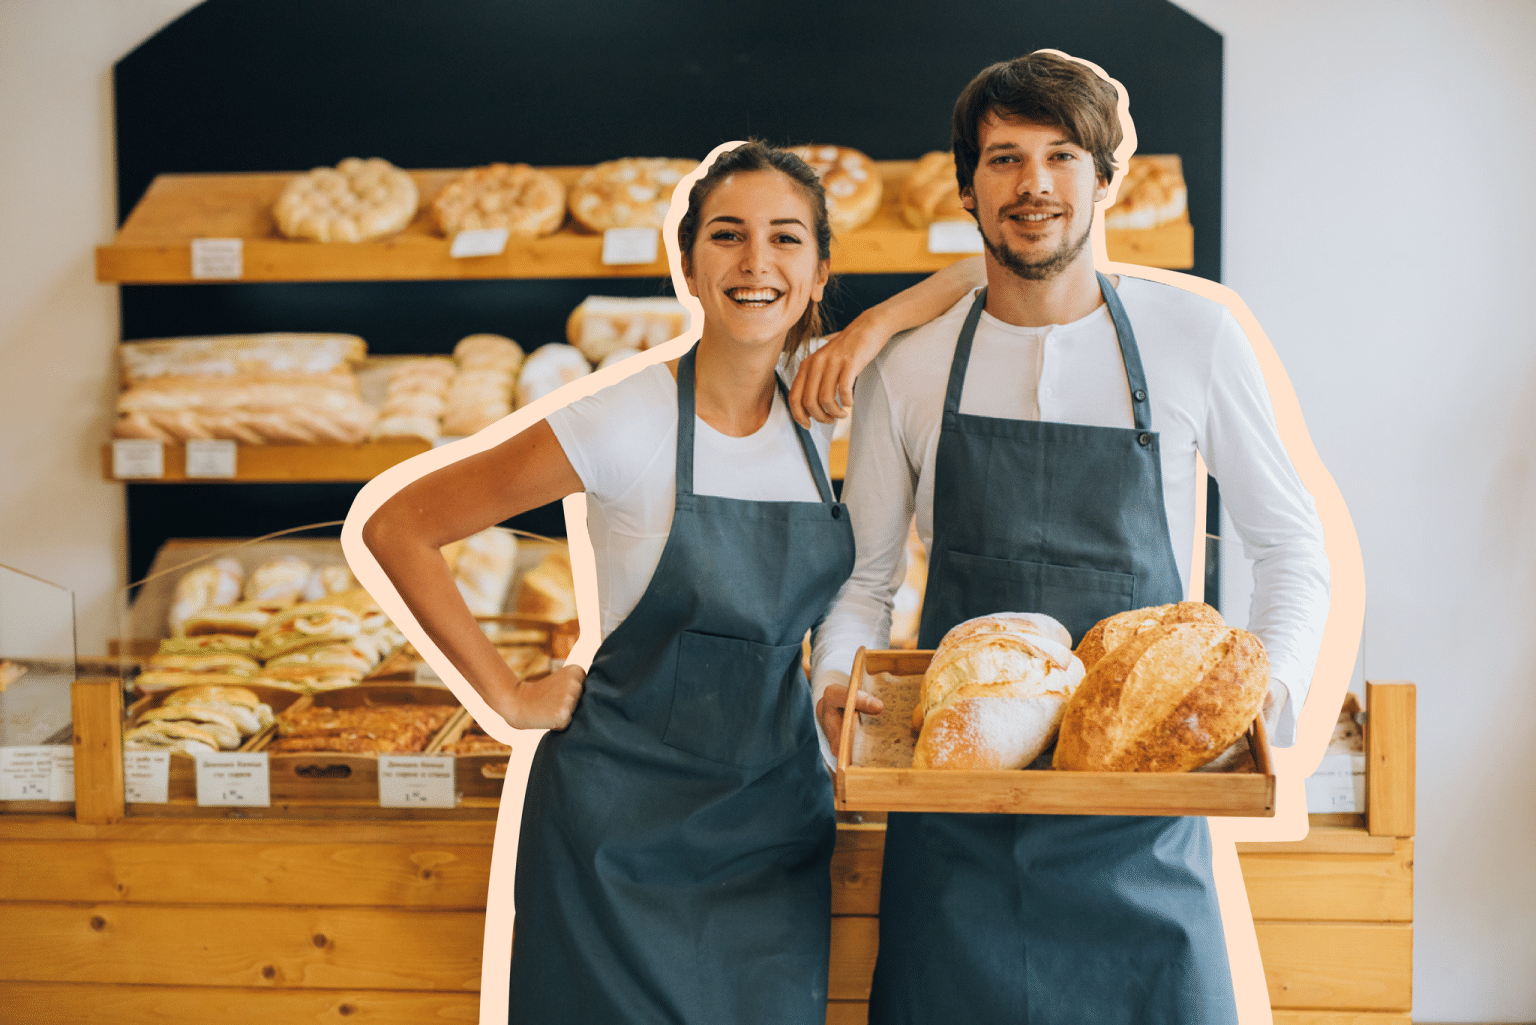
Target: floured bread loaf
528, 203
1108, 634
931, 192
1170, 699
354, 201
546, 591
484, 570
548, 368
1151, 194
605, 323
994, 693
852, 182
630, 193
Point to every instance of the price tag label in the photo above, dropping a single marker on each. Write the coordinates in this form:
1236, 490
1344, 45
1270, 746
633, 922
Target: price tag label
420, 782
630, 245
138, 458
478, 242
235, 779
1338, 785
954, 237
211, 459
218, 259
26, 773
61, 784
146, 777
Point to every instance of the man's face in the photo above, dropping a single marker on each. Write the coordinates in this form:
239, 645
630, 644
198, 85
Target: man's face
1033, 196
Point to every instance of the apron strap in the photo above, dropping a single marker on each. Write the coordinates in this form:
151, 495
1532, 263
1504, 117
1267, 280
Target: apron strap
1141, 405
685, 425
963, 354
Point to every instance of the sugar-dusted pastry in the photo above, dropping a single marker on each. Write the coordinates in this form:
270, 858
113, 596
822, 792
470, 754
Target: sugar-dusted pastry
354, 201
852, 182
525, 201
630, 193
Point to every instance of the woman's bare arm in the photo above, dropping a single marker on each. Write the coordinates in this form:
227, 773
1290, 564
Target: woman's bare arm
823, 387
407, 532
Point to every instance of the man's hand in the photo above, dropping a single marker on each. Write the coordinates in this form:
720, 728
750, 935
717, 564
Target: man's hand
543, 704
823, 386
829, 710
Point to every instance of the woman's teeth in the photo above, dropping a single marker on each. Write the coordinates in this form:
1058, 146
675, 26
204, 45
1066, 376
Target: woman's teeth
753, 296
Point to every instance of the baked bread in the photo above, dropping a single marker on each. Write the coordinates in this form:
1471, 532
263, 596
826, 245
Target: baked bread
1170, 699
243, 617
213, 583
931, 193
852, 182
546, 591
213, 662
484, 570
603, 324
528, 203
279, 580
311, 623
183, 737
1108, 634
324, 580
633, 192
994, 693
414, 399
550, 367
206, 356
1152, 193
354, 201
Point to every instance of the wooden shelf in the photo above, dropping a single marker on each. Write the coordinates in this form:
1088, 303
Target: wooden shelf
154, 245
286, 463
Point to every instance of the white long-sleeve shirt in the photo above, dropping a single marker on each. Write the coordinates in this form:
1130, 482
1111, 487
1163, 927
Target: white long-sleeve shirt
1208, 396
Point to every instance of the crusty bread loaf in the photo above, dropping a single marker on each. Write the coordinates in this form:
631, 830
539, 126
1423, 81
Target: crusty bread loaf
994, 693
1170, 699
1108, 634
931, 193
546, 591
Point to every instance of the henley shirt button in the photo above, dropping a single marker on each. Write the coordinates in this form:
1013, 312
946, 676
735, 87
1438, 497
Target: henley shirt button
837, 512
1144, 438
1141, 396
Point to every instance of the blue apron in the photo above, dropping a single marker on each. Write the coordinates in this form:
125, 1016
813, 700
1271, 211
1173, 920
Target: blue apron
1048, 919
673, 861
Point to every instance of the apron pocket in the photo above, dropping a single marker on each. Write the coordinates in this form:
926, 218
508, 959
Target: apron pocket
977, 585
733, 701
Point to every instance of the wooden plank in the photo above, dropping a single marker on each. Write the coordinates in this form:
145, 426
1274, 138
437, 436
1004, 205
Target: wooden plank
1342, 1018
1326, 840
847, 1012
360, 874
1170, 245
855, 939
1338, 965
1390, 710
96, 708
97, 1004
856, 866
235, 830
288, 463
217, 945
1331, 887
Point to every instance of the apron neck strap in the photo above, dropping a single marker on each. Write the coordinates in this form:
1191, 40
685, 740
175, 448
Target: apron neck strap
685, 432
1141, 404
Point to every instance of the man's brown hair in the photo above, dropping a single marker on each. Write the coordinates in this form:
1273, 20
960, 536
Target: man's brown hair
1044, 88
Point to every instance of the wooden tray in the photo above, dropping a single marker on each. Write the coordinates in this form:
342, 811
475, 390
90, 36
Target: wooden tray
863, 785
479, 774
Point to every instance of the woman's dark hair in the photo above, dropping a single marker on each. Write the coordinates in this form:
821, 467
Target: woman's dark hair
1044, 88
757, 155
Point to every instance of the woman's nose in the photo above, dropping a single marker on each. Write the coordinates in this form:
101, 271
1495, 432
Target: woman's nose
755, 255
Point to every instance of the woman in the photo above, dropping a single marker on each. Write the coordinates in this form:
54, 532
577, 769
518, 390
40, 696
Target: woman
676, 836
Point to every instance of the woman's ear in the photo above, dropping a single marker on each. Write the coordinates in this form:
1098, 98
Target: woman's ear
823, 275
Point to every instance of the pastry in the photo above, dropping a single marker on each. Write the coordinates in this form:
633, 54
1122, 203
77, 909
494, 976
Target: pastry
221, 662
324, 580
213, 583
211, 356
1108, 634
484, 570
603, 324
278, 581
381, 729
546, 591
549, 368
994, 693
931, 193
354, 201
852, 182
207, 644
311, 623
1152, 193
183, 737
245, 617
630, 193
528, 203
1170, 699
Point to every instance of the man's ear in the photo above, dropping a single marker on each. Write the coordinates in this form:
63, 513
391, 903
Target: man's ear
968, 198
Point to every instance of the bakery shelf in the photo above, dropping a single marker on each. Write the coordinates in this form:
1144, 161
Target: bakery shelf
287, 463
154, 244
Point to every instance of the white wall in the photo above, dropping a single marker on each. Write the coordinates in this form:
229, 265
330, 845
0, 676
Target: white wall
58, 518
1378, 222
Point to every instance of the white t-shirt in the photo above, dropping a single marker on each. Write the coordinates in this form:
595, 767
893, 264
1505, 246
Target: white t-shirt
1208, 396
622, 442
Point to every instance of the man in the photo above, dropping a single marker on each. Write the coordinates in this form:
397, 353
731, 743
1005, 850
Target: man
1045, 433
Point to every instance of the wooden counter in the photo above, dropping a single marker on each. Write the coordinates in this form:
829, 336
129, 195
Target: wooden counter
185, 920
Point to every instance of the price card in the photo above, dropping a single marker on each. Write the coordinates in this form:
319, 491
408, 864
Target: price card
26, 773
478, 242
211, 459
138, 457
416, 782
61, 783
218, 259
146, 777
630, 245
954, 237
230, 779
1338, 785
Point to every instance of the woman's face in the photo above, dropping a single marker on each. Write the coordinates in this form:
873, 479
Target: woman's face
754, 266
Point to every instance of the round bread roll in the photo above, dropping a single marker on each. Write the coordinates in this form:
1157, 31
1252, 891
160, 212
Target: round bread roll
994, 698
488, 352
931, 192
550, 367
1108, 634
852, 182
633, 192
354, 201
1170, 699
528, 203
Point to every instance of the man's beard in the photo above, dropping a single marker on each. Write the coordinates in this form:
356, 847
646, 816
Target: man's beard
1041, 270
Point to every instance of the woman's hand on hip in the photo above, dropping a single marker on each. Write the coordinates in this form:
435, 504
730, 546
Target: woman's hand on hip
544, 703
